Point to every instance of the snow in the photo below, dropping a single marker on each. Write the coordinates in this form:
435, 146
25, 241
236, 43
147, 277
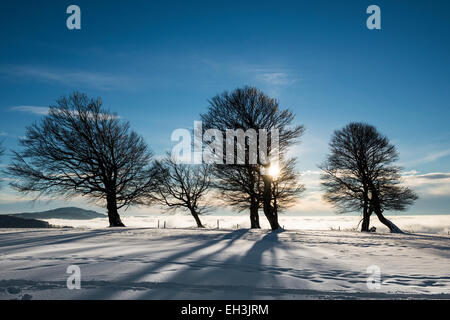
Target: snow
185, 263
436, 224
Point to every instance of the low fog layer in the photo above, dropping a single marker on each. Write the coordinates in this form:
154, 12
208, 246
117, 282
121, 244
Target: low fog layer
435, 224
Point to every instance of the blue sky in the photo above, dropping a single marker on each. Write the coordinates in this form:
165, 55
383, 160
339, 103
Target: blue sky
157, 63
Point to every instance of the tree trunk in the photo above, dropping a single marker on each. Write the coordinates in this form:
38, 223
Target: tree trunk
269, 211
388, 223
254, 216
197, 219
366, 218
113, 214
375, 203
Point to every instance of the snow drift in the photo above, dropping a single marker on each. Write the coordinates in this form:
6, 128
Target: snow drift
137, 263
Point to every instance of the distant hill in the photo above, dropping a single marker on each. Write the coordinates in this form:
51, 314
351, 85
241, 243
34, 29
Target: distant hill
15, 222
62, 213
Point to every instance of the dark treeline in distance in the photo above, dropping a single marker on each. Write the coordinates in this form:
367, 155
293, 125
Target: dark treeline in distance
82, 149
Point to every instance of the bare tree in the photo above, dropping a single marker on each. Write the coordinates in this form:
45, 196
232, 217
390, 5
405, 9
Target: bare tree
249, 108
182, 186
286, 188
238, 186
79, 148
360, 174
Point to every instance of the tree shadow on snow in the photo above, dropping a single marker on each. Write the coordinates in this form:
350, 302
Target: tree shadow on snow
205, 275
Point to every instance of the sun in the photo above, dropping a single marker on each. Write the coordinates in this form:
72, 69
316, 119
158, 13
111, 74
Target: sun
274, 170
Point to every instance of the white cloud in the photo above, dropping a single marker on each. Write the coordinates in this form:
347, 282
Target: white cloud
66, 77
433, 184
272, 75
275, 78
431, 157
13, 198
31, 109
44, 111
435, 156
312, 202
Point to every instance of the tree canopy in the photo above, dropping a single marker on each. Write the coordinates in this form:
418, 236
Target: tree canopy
80, 148
360, 174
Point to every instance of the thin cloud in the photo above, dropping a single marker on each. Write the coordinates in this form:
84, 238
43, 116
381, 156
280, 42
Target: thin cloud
432, 184
426, 178
437, 155
66, 77
269, 75
275, 78
431, 157
436, 176
311, 202
44, 111
31, 109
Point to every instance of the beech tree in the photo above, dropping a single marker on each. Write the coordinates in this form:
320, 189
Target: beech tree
82, 149
360, 174
246, 109
239, 187
182, 186
286, 188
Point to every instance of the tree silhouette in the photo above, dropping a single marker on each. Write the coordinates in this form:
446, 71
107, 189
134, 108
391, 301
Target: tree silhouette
360, 174
249, 108
79, 148
285, 185
239, 187
182, 186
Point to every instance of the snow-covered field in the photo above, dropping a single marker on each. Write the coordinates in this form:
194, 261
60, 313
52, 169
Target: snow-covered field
437, 224
149, 263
